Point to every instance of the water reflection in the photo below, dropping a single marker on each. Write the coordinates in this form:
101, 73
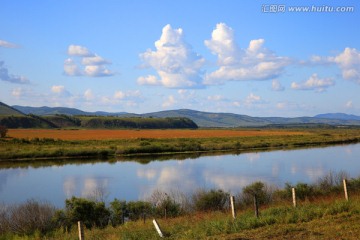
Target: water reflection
130, 180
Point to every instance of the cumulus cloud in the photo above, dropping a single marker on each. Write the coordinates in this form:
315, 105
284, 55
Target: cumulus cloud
174, 60
88, 95
131, 94
169, 101
60, 90
77, 50
314, 83
276, 86
148, 80
6, 76
236, 64
82, 62
348, 61
253, 99
6, 44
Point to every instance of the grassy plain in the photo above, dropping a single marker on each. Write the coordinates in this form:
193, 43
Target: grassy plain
31, 144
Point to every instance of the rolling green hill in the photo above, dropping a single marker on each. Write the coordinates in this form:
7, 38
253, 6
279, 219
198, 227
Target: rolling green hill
9, 111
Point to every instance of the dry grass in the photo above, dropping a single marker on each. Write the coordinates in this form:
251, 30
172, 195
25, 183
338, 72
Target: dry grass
103, 134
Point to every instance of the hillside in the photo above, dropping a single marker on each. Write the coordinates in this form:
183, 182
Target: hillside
61, 110
339, 116
10, 111
93, 122
207, 119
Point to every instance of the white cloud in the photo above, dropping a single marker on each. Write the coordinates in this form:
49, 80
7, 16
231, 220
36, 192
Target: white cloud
6, 44
88, 95
71, 68
94, 60
77, 50
276, 86
128, 94
85, 63
148, 80
5, 76
60, 91
348, 61
17, 92
57, 89
97, 71
170, 101
314, 83
349, 104
253, 99
177, 65
235, 64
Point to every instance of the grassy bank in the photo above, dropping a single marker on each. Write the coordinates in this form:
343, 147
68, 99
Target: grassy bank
31, 148
321, 213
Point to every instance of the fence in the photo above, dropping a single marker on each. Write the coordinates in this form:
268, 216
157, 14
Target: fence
232, 207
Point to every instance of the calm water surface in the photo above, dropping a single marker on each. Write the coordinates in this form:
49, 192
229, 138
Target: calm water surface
134, 181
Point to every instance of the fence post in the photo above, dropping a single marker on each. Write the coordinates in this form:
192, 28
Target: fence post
81, 230
256, 206
232, 202
345, 190
293, 196
158, 229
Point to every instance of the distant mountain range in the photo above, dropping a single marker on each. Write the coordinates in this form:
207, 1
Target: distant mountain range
202, 119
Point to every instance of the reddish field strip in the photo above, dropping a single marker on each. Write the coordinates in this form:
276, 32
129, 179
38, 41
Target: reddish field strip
103, 134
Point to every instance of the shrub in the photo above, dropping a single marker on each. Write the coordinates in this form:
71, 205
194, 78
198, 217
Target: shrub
213, 200
91, 213
132, 210
331, 182
165, 205
3, 131
27, 218
303, 190
263, 193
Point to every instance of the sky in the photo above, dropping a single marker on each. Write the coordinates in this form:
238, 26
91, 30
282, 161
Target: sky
256, 57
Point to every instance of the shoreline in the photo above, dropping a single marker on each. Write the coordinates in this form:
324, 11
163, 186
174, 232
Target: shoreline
43, 149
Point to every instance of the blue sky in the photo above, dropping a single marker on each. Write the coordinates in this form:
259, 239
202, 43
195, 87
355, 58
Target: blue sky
258, 58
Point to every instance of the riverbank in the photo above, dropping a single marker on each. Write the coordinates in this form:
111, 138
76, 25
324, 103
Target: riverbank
32, 145
321, 211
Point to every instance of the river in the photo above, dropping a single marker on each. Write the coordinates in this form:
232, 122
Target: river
132, 180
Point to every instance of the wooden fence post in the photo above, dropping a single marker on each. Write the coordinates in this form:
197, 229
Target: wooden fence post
81, 230
256, 206
232, 202
158, 229
293, 196
345, 190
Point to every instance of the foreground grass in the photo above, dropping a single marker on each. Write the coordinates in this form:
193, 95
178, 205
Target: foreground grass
330, 218
40, 148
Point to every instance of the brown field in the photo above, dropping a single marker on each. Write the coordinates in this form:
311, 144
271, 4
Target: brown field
102, 134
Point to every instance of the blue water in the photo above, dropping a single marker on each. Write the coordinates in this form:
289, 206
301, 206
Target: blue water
135, 181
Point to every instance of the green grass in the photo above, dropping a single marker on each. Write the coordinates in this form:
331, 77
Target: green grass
332, 218
31, 149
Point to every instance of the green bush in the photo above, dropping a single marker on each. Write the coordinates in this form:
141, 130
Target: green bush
213, 200
91, 213
263, 193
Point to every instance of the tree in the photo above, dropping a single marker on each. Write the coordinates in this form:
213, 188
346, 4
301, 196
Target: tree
3, 131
